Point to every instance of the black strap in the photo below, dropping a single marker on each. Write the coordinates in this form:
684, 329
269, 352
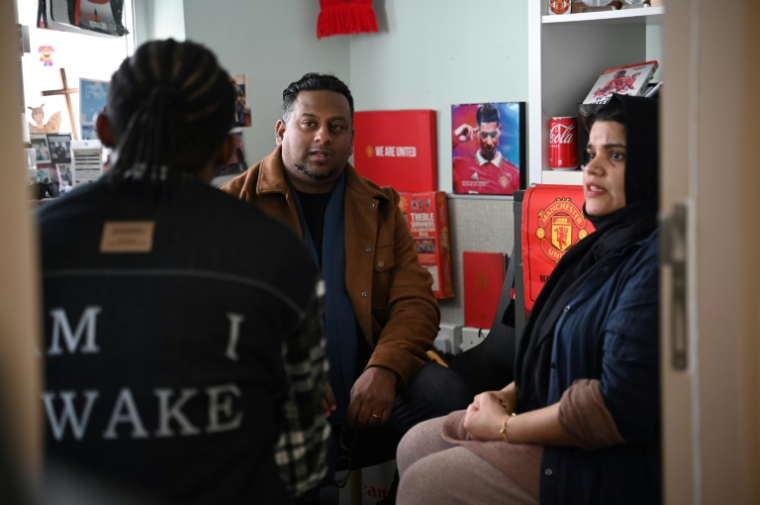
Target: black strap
505, 312
490, 365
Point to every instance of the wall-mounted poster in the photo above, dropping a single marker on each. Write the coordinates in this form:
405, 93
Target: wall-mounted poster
98, 16
488, 148
93, 96
242, 107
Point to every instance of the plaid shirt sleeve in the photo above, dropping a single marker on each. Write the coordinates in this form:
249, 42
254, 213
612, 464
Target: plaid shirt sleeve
301, 451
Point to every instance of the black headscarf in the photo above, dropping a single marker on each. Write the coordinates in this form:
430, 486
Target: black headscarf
614, 232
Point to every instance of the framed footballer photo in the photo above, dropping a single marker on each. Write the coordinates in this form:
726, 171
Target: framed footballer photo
488, 148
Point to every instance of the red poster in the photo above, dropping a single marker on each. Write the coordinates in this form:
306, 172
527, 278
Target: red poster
397, 148
483, 281
428, 217
552, 221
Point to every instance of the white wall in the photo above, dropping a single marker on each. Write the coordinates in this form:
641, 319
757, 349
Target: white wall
431, 54
275, 43
82, 56
159, 19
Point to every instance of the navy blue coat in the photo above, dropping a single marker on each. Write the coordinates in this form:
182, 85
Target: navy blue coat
610, 331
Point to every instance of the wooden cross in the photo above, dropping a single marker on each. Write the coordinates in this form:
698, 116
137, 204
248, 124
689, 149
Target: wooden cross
66, 92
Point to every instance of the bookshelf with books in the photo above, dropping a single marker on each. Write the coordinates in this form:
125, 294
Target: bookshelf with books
566, 56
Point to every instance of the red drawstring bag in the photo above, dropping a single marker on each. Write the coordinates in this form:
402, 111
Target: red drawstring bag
342, 17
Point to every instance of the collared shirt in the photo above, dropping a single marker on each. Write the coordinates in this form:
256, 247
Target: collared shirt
477, 175
496, 160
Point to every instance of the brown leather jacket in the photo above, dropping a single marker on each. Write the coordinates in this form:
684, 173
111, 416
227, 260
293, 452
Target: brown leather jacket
390, 292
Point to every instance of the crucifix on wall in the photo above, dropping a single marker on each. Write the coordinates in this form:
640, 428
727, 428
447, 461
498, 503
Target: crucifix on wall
66, 92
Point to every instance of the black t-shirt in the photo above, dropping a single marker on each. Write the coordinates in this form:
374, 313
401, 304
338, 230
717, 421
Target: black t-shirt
314, 206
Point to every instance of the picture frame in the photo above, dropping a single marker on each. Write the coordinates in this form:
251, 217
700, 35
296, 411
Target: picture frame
242, 105
93, 95
65, 177
237, 163
41, 148
60, 147
488, 148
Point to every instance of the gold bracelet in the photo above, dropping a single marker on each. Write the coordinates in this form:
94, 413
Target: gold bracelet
503, 430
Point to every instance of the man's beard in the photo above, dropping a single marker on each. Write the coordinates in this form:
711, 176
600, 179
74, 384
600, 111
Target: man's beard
311, 175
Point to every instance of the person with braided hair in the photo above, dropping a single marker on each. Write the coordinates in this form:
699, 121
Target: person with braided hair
184, 353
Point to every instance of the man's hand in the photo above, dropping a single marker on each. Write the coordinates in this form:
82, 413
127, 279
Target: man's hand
484, 417
372, 398
328, 401
465, 132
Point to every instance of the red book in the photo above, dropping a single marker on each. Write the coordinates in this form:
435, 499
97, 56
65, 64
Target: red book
397, 148
483, 281
428, 216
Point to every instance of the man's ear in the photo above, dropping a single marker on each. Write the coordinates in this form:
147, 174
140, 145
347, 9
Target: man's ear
279, 131
103, 127
352, 143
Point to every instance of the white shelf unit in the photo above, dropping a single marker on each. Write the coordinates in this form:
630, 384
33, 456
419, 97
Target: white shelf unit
566, 54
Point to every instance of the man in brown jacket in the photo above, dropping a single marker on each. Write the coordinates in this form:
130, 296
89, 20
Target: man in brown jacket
380, 316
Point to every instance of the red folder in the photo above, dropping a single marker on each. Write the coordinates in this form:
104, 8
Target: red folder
397, 148
483, 281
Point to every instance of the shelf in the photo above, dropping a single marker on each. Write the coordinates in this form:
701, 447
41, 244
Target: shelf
644, 15
562, 177
566, 55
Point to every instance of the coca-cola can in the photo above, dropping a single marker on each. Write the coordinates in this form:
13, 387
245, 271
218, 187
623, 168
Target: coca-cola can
563, 143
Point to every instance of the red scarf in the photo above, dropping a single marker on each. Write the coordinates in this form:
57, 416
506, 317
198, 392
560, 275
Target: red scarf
340, 17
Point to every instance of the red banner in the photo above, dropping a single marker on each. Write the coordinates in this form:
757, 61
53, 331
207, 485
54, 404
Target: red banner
552, 221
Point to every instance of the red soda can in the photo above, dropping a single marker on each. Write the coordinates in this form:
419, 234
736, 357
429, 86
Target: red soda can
563, 143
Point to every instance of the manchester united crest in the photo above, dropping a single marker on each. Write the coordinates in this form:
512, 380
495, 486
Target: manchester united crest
560, 224
559, 6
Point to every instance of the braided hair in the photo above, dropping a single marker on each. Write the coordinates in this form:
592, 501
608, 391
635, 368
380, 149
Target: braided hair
170, 107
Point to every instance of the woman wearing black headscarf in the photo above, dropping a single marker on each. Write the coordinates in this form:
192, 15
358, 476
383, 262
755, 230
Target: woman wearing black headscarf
581, 421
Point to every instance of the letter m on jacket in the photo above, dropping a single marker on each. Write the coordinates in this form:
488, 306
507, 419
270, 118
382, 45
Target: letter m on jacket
85, 333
